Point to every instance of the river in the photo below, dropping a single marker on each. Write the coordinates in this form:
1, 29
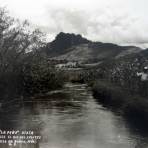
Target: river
71, 118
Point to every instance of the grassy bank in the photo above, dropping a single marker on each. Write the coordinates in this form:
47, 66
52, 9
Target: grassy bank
134, 108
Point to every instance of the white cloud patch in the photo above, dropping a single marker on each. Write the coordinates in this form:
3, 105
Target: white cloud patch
116, 21
102, 25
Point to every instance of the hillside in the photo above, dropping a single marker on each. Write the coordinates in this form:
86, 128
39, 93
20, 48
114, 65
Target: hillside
63, 42
76, 48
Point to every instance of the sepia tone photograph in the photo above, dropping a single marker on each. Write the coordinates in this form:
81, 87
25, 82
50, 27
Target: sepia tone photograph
73, 74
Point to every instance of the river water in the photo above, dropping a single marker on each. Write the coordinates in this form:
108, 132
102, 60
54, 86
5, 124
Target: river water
71, 118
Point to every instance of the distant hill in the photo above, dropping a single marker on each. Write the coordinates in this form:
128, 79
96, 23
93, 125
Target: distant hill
76, 48
129, 64
63, 42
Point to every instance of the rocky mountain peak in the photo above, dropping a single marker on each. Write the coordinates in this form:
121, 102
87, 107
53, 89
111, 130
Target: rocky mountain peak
67, 40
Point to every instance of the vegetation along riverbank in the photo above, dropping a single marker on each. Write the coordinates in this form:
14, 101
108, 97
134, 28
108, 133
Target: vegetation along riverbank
133, 107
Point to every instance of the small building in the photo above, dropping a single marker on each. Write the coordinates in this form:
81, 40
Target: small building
66, 65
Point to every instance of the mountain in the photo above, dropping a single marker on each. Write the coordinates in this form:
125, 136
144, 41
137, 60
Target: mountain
63, 42
76, 48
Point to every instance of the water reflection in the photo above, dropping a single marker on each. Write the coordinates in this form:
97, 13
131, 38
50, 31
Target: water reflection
70, 118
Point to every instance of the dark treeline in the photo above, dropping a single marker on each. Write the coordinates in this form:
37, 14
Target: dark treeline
123, 73
23, 69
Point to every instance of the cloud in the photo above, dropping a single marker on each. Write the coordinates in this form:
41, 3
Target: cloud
116, 21
103, 25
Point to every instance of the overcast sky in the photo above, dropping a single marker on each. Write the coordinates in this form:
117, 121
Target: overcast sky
116, 21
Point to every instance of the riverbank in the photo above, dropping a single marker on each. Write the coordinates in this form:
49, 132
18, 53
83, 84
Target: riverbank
133, 107
72, 120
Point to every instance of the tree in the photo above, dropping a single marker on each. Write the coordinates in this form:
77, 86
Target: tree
16, 39
19, 44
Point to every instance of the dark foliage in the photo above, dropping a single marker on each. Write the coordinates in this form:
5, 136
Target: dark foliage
23, 70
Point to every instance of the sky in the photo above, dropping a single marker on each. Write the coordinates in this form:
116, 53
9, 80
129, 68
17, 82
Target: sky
123, 22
